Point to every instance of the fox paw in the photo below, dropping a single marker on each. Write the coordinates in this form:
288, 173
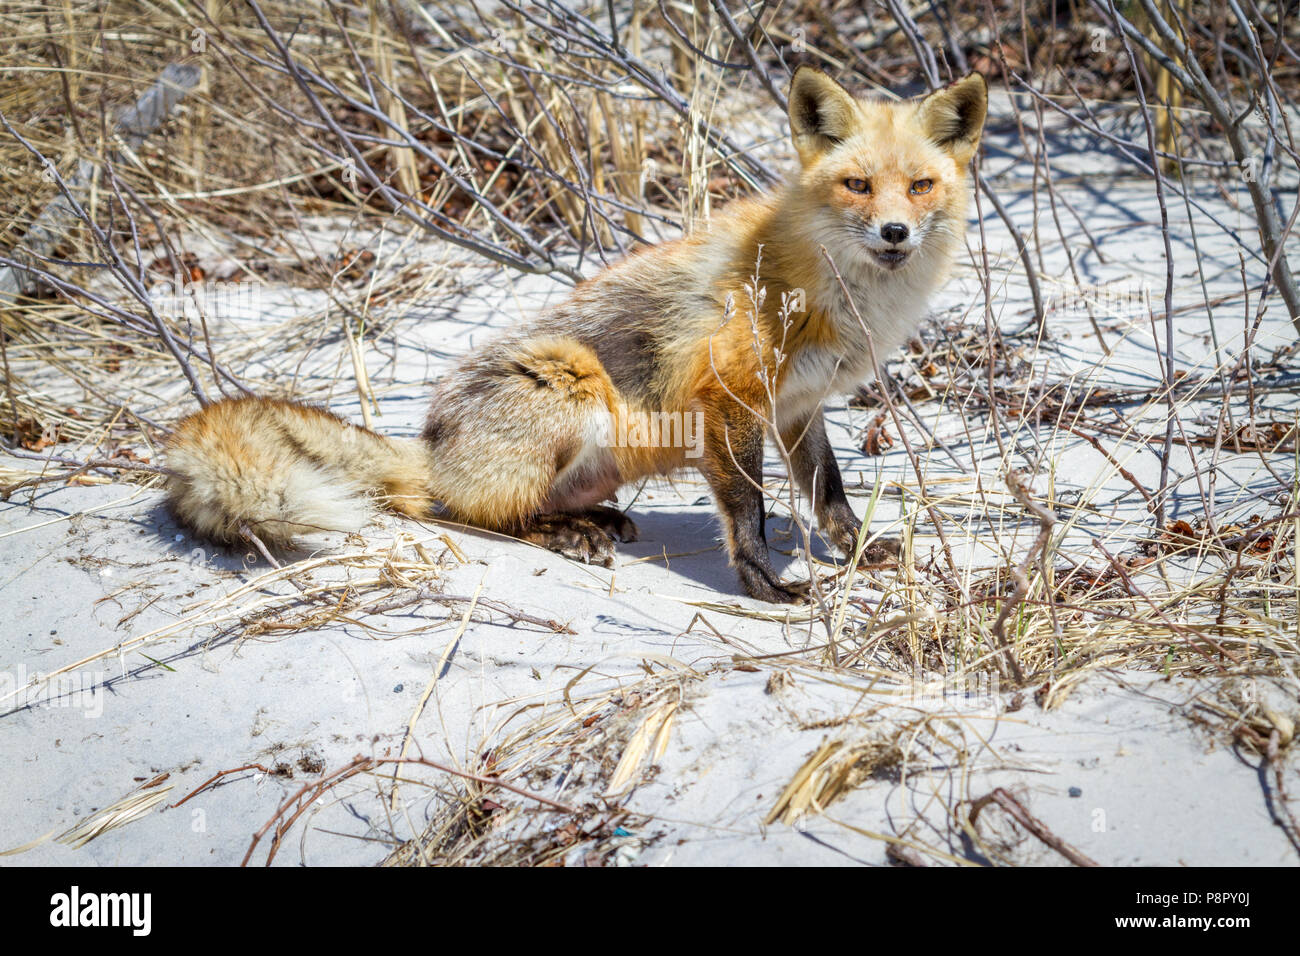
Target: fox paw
613, 522
763, 584
844, 537
575, 536
878, 552
881, 551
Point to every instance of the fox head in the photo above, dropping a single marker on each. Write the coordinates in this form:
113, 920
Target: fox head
885, 183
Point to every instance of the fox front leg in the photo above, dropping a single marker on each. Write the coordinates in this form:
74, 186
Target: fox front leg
817, 475
733, 465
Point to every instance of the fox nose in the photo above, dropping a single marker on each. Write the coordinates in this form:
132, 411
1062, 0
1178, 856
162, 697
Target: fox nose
894, 232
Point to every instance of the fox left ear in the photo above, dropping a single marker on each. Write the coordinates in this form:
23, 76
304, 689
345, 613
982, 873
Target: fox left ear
954, 116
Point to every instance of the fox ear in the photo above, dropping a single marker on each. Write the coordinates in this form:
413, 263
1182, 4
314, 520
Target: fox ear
954, 116
822, 112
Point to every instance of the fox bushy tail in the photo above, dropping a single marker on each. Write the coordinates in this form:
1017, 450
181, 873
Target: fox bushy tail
288, 472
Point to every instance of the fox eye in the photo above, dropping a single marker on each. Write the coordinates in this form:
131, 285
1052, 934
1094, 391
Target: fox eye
857, 185
922, 186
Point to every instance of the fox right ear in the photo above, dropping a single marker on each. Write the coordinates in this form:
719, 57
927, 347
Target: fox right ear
822, 113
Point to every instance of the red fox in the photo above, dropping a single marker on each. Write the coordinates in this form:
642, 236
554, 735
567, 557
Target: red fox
518, 435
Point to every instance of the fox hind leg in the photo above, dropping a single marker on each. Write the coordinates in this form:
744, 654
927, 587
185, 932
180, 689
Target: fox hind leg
520, 446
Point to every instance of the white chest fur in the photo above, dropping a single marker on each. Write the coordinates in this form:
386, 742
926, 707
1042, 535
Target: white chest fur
889, 310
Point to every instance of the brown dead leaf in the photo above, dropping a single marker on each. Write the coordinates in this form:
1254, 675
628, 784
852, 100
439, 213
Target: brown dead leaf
877, 439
